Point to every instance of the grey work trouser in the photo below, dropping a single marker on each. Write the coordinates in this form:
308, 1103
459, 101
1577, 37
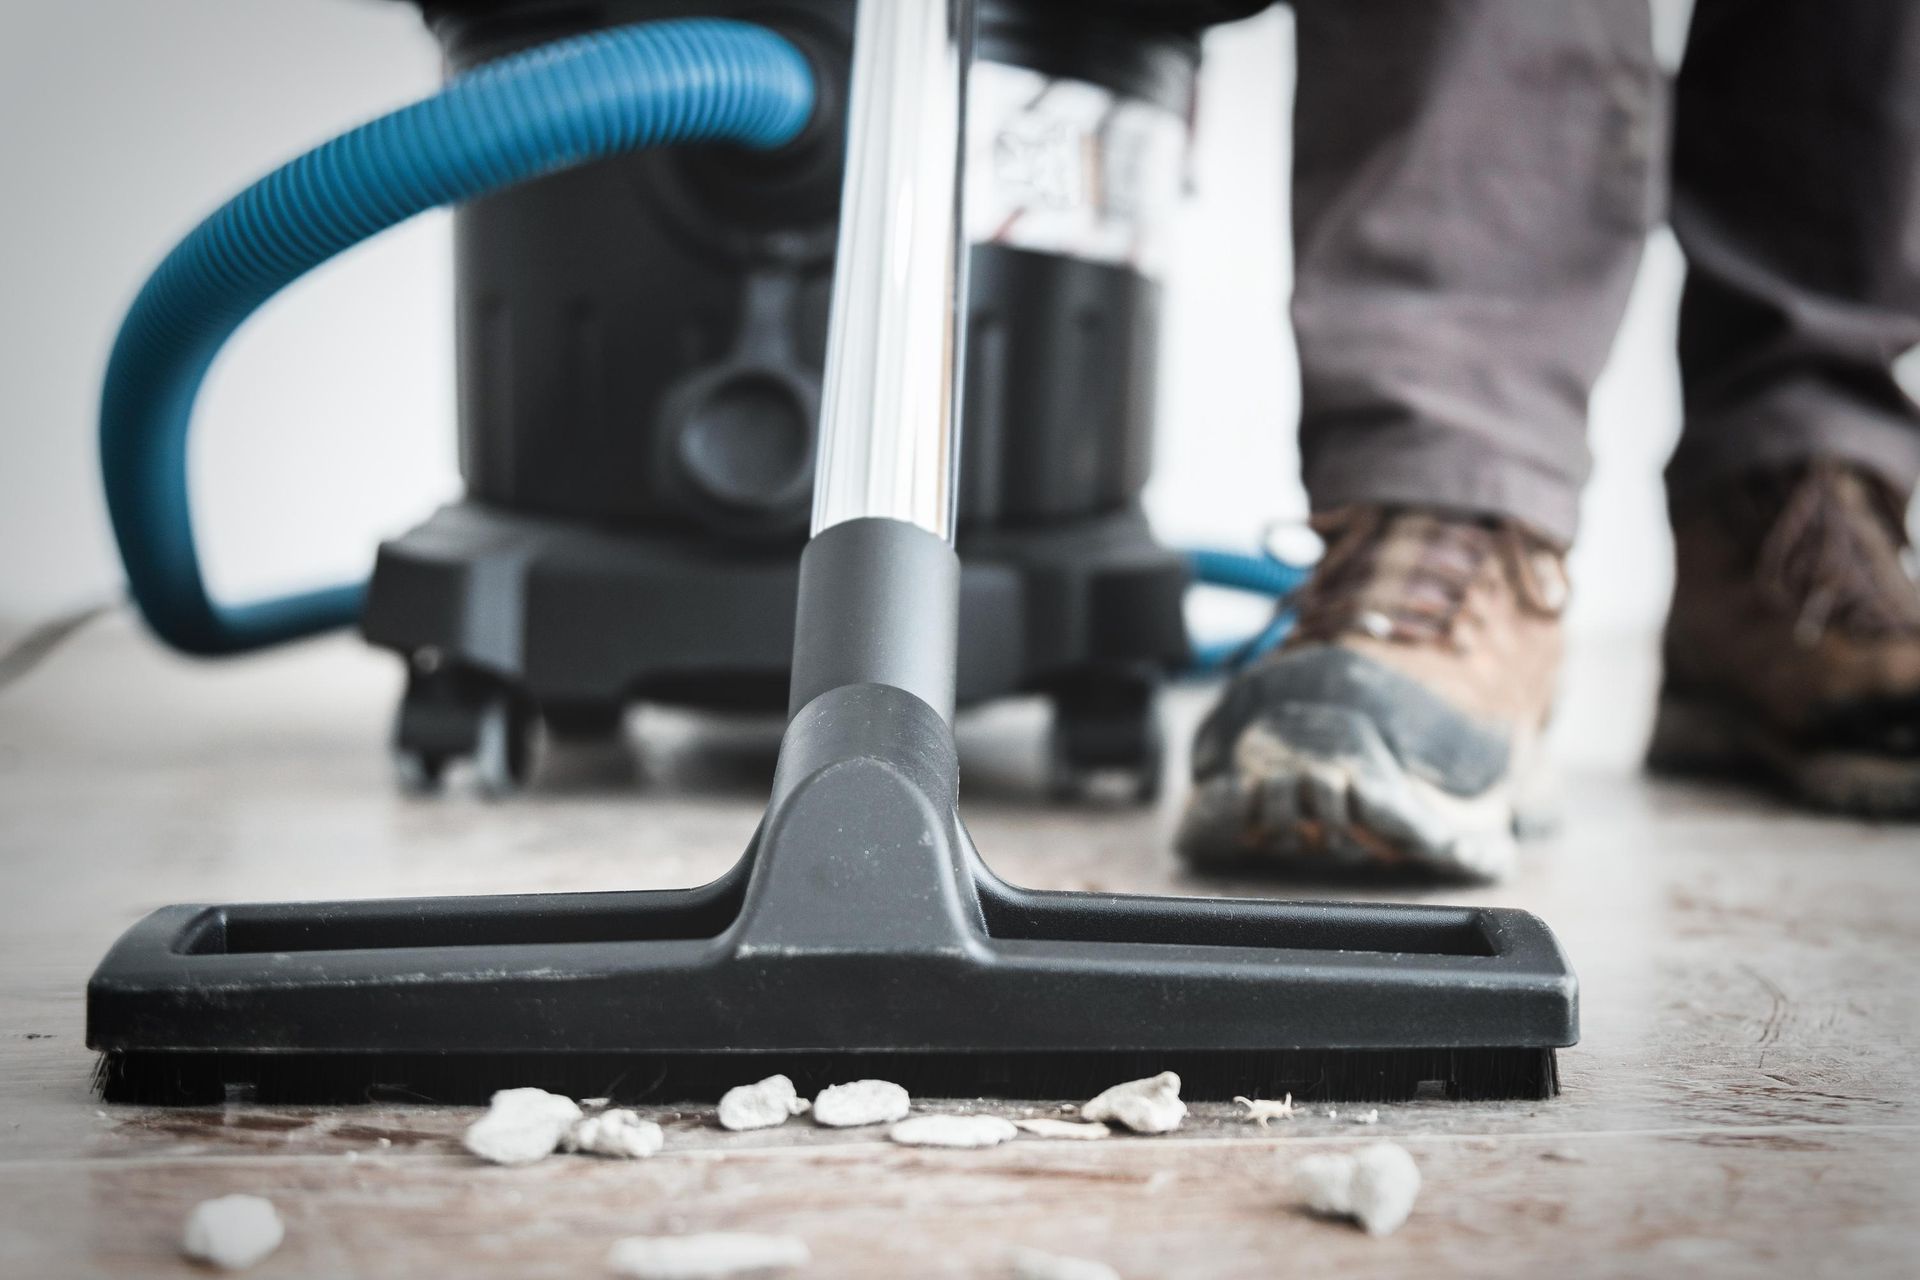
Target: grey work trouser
1473, 183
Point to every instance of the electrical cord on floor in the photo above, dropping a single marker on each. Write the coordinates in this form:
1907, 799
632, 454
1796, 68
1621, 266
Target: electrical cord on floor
40, 642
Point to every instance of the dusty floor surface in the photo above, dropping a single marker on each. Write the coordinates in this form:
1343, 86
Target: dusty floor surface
1743, 1101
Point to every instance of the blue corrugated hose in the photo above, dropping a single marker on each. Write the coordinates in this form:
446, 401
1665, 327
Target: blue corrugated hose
531, 114
1258, 575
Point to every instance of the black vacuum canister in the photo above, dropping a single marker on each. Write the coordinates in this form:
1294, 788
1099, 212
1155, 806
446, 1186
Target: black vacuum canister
640, 345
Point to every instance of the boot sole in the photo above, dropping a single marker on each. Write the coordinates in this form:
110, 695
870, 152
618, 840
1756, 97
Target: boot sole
1315, 787
1698, 739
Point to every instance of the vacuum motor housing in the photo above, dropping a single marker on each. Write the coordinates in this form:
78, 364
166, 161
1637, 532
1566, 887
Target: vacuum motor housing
640, 345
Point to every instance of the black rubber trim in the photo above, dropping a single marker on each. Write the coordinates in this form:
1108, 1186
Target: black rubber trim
1888, 725
1431, 739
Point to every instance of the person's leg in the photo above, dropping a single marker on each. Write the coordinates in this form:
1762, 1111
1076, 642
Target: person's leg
1793, 647
1796, 196
1473, 182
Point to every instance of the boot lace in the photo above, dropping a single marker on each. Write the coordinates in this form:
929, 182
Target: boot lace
1407, 576
1835, 555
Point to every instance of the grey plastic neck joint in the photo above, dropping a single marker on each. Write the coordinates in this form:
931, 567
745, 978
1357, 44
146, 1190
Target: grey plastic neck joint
879, 604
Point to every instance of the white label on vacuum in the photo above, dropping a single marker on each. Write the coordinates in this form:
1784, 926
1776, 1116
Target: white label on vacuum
1070, 168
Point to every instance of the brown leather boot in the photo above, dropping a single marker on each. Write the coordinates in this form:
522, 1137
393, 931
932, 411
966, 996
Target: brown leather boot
1396, 723
1793, 647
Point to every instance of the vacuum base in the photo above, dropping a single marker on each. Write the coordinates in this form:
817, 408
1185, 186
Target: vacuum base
509, 621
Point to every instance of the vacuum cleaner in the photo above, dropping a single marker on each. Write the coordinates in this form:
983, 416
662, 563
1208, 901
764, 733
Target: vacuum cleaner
861, 933
640, 345
645, 471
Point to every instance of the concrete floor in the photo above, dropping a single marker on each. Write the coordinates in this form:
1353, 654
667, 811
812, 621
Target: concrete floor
1742, 1101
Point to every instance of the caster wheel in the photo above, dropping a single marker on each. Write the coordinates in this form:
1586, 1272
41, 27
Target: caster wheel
585, 747
584, 723
450, 714
418, 773
503, 745
1146, 785
438, 718
1073, 781
1106, 742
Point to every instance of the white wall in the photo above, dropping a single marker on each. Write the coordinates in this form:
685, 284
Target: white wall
329, 422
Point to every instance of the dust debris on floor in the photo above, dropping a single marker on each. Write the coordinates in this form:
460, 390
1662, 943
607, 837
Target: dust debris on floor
521, 1126
860, 1102
1151, 1105
618, 1133
1262, 1111
1375, 1186
1035, 1264
953, 1131
232, 1232
714, 1256
1046, 1127
771, 1102
1371, 1116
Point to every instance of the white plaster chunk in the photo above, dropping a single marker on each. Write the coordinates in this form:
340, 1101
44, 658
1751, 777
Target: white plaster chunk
847, 1106
1152, 1105
971, 1132
760, 1106
715, 1256
1042, 1127
1325, 1182
619, 1133
1386, 1182
1376, 1186
1033, 1264
1366, 1117
233, 1232
521, 1126
1263, 1110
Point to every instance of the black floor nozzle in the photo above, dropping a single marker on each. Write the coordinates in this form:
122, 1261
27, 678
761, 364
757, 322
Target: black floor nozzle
861, 935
